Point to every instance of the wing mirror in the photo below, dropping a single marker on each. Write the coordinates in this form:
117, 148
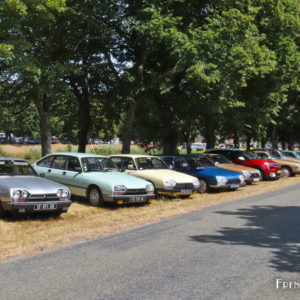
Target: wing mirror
42, 174
77, 169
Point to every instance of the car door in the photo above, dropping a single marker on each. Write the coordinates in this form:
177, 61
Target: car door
58, 166
72, 176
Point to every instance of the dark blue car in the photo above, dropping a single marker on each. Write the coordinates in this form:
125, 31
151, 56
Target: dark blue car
202, 167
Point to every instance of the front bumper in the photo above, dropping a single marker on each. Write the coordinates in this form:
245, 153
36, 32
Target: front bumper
123, 199
177, 191
38, 206
274, 174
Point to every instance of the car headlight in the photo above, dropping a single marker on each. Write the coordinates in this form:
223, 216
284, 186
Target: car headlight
149, 188
20, 195
246, 174
62, 194
120, 189
221, 180
196, 182
266, 163
169, 183
242, 178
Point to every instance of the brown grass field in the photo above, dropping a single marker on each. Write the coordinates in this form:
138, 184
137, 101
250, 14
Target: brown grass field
82, 222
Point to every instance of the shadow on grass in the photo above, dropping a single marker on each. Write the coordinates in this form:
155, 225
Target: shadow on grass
273, 227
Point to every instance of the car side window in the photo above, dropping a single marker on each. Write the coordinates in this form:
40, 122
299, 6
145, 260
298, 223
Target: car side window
59, 162
46, 162
73, 164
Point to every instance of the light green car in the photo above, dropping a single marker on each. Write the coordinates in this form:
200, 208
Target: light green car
95, 177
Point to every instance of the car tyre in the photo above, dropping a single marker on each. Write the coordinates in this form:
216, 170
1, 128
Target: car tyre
286, 172
94, 196
203, 186
1, 211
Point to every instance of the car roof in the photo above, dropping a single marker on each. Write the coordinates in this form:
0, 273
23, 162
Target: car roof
222, 149
13, 158
77, 154
132, 155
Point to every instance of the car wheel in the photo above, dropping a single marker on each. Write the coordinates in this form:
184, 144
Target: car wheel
203, 186
261, 174
95, 197
285, 172
1, 211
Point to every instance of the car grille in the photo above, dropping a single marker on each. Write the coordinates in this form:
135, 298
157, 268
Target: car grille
254, 175
136, 192
184, 186
233, 181
43, 197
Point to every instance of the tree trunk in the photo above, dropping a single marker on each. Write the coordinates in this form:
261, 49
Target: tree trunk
84, 114
274, 137
45, 127
248, 141
209, 130
236, 139
128, 128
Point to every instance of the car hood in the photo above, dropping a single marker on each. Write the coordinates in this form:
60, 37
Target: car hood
33, 184
259, 161
237, 168
214, 171
117, 178
162, 174
288, 161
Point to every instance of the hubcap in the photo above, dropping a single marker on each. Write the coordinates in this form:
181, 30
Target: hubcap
94, 197
285, 172
202, 186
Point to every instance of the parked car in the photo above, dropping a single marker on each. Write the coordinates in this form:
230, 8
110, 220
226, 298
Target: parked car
2, 140
23, 192
202, 167
282, 155
289, 166
54, 140
292, 153
167, 182
95, 177
32, 140
221, 161
268, 169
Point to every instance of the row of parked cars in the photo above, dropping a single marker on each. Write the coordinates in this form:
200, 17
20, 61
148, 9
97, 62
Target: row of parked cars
46, 186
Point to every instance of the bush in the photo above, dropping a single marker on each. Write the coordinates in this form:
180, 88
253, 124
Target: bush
33, 154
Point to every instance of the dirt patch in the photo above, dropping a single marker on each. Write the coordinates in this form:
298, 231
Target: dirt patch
82, 222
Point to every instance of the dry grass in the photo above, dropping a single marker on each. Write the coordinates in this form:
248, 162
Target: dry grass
83, 222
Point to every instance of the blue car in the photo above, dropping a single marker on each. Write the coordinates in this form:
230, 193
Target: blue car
210, 176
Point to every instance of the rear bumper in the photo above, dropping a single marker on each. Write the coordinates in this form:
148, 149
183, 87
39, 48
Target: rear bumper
122, 199
42, 206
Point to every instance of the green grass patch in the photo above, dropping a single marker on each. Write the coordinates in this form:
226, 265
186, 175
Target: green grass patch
33, 154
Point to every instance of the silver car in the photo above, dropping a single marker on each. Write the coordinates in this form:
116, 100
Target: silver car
22, 191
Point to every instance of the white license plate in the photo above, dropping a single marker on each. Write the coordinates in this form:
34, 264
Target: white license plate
45, 206
137, 199
185, 191
234, 186
256, 179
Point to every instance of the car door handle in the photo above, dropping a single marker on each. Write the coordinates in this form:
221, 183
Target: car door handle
49, 170
64, 173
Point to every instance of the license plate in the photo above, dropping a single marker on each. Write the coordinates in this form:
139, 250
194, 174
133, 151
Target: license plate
234, 186
279, 171
137, 199
45, 206
185, 191
256, 179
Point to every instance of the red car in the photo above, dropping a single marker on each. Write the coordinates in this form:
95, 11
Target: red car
269, 169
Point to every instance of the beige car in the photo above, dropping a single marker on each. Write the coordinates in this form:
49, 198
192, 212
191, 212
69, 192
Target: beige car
289, 167
166, 182
250, 174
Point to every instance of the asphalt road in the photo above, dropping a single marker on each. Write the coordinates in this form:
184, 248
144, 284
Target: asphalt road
236, 250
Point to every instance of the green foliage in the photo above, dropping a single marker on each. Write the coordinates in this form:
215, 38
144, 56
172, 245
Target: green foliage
32, 154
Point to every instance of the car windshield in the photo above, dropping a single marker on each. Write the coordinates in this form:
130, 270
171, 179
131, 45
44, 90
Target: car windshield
148, 163
98, 164
198, 162
276, 154
221, 159
290, 154
10, 167
250, 155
